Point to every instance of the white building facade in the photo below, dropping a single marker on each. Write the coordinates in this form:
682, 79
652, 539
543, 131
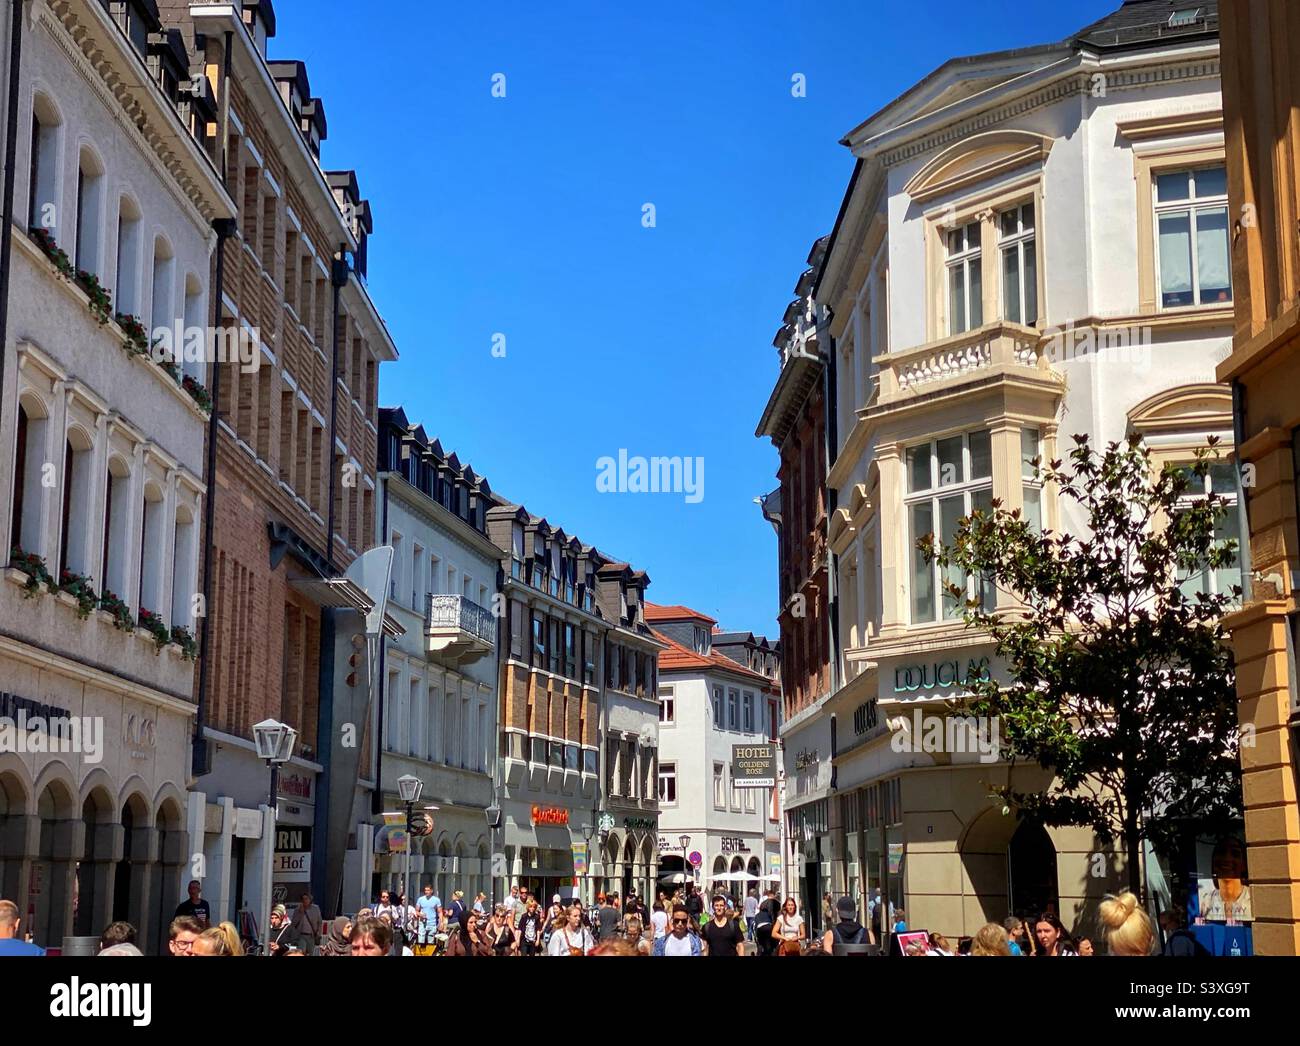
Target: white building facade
1034, 244
709, 704
103, 482
439, 717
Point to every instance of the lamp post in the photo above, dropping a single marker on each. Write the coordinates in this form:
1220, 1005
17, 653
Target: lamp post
274, 742
409, 789
684, 841
588, 833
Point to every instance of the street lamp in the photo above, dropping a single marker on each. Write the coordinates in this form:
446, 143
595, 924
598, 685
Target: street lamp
274, 742
684, 841
588, 833
409, 789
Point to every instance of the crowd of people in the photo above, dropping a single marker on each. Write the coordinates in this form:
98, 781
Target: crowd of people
676, 925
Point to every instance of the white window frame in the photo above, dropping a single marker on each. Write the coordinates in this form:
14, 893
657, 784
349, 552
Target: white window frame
667, 777
1228, 506
747, 711
968, 259
719, 786
1194, 206
1023, 241
966, 487
667, 705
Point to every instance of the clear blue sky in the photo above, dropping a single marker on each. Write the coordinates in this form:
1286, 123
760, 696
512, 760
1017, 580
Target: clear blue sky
522, 216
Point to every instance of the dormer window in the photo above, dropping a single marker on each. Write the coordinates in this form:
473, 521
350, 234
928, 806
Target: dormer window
517, 551
702, 640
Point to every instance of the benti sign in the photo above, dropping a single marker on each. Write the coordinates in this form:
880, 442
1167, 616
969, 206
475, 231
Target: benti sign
753, 766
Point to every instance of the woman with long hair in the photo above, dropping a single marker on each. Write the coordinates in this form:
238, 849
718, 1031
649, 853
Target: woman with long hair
1128, 927
467, 940
232, 938
790, 931
1052, 937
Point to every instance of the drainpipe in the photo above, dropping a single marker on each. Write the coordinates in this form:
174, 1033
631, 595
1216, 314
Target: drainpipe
377, 795
339, 272
11, 160
225, 228
1243, 503
830, 428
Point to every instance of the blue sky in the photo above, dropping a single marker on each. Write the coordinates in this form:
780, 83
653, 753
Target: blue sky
522, 216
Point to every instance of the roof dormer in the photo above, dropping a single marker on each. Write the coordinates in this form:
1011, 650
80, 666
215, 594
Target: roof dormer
259, 19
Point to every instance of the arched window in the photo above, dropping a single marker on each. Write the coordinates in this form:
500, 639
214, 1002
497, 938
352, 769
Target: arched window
183, 563
164, 287
29, 461
43, 167
127, 297
74, 549
151, 551
90, 210
117, 525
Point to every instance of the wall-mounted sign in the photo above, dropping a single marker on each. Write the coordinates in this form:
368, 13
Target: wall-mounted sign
296, 785
139, 732
550, 815
865, 717
292, 838
291, 867
731, 844
640, 824
753, 766
939, 675
805, 758
248, 823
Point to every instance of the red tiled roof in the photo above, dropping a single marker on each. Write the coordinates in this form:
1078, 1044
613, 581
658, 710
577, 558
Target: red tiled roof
658, 612
678, 658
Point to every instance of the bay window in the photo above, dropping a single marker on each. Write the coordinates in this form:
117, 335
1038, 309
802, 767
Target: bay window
947, 479
1033, 488
1192, 256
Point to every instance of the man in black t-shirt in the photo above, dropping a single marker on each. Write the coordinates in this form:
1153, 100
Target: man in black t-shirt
721, 933
196, 907
694, 907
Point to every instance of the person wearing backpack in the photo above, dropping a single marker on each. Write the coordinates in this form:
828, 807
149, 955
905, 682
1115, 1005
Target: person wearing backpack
848, 931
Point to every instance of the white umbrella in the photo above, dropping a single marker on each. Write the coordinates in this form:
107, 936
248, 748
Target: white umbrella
675, 877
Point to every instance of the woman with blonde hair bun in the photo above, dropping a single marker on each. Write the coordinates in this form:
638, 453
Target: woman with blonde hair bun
991, 940
1127, 925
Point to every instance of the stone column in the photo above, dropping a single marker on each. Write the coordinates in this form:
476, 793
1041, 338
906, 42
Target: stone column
140, 905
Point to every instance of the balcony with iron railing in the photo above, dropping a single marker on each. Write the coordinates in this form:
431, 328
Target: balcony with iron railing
457, 630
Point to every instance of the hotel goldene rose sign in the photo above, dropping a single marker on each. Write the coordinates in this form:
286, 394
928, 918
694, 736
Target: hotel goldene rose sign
753, 766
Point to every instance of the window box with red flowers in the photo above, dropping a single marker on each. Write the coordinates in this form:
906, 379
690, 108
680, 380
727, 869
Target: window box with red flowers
101, 302
184, 638
198, 392
34, 567
117, 610
154, 625
136, 341
78, 587
51, 250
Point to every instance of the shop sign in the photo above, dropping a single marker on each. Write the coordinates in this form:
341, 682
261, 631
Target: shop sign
733, 845
292, 838
865, 717
550, 815
640, 824
939, 675
753, 766
805, 758
294, 785
291, 867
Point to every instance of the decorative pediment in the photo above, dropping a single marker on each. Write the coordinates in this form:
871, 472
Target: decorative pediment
1200, 409
977, 159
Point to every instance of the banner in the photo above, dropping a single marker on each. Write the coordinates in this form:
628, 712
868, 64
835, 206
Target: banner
579, 858
753, 766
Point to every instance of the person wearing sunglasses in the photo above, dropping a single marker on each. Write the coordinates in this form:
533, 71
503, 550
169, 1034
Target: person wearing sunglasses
679, 940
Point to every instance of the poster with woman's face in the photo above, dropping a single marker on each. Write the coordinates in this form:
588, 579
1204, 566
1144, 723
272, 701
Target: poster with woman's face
1225, 897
